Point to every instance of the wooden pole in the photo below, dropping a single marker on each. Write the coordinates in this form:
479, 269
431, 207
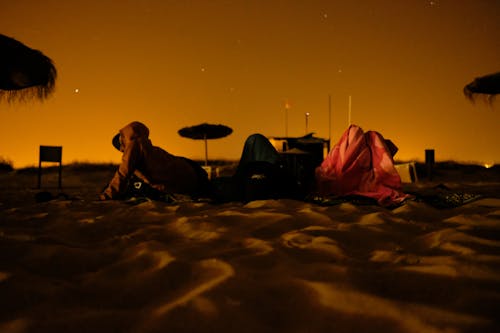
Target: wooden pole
206, 150
349, 114
329, 120
287, 106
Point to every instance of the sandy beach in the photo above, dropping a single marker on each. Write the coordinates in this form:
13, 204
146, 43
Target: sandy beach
75, 264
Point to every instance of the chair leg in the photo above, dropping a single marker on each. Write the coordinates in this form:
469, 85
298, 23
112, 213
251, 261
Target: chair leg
60, 175
39, 174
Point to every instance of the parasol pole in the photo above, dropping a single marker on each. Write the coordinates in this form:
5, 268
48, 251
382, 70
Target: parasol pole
307, 121
206, 149
349, 112
329, 117
287, 106
329, 121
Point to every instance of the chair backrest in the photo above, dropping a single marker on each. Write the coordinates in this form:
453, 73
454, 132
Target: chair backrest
50, 154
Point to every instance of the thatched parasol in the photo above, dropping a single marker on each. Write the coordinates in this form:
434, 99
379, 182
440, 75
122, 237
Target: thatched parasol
487, 85
205, 132
24, 72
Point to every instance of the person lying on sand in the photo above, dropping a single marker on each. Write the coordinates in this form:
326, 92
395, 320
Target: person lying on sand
261, 174
162, 172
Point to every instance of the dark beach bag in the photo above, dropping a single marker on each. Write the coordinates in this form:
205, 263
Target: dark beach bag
258, 181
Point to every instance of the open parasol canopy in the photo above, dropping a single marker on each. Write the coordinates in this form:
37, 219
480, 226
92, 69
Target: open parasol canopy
205, 132
24, 72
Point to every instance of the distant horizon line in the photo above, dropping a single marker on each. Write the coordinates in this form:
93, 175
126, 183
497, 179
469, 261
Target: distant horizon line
222, 161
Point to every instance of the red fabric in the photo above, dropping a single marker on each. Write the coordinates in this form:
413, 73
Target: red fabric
360, 164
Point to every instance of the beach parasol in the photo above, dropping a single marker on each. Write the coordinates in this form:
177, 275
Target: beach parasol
24, 72
205, 132
487, 85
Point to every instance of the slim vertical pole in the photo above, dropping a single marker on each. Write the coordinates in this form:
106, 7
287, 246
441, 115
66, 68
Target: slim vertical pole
39, 172
329, 142
329, 117
60, 168
60, 175
206, 151
349, 114
287, 106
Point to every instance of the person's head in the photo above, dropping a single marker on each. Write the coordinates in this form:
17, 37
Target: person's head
133, 131
117, 142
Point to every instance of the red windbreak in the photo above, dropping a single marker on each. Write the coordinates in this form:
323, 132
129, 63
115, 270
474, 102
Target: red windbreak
361, 164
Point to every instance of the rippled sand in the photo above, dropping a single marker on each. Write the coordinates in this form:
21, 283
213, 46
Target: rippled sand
74, 264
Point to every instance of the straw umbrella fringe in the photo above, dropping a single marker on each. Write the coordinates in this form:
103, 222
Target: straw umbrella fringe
24, 72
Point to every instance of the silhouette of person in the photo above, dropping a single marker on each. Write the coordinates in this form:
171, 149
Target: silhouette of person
152, 165
260, 173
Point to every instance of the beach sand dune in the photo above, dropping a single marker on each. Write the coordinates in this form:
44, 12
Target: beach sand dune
74, 264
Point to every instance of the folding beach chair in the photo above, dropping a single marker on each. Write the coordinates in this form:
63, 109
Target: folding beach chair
50, 154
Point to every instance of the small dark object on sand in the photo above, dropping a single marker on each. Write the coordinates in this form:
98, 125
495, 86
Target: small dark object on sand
45, 196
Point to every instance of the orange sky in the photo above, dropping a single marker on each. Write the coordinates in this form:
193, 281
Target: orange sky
172, 64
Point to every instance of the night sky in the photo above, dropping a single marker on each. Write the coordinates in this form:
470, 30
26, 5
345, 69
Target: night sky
171, 64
